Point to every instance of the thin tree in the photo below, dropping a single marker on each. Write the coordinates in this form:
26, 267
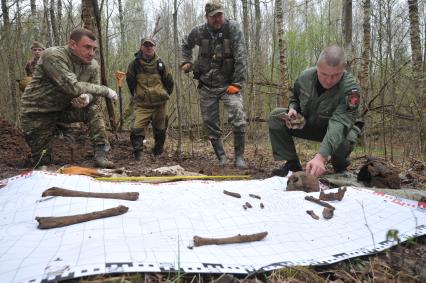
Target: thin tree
417, 65
53, 23
91, 18
177, 75
10, 59
282, 99
347, 30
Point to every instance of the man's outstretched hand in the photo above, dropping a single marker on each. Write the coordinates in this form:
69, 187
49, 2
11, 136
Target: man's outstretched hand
316, 166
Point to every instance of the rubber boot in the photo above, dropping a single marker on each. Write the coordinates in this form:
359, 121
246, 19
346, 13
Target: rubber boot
160, 138
290, 165
239, 146
100, 157
136, 138
220, 152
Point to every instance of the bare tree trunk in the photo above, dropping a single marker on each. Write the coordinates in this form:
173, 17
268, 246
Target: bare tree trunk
10, 59
419, 80
177, 75
283, 97
365, 63
47, 34
347, 30
54, 23
122, 33
59, 22
33, 19
90, 15
246, 24
257, 56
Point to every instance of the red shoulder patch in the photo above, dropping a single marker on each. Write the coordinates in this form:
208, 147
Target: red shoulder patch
352, 99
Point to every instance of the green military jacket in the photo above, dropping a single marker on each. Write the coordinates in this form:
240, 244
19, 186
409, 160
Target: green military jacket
149, 82
335, 110
59, 77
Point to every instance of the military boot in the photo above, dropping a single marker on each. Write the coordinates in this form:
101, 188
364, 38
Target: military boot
290, 165
220, 152
160, 138
100, 157
239, 146
136, 138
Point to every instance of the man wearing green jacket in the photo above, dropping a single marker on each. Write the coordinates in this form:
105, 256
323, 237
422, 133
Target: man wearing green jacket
65, 89
150, 84
326, 100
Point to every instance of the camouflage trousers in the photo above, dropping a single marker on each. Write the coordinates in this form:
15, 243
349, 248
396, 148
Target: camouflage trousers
283, 147
39, 129
209, 104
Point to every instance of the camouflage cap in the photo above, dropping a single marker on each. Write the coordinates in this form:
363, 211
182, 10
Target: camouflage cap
213, 7
147, 39
37, 44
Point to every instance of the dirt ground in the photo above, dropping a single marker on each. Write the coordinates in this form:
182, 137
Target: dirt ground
404, 263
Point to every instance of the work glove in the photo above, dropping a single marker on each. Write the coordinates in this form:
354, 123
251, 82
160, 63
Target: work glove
82, 101
186, 67
112, 94
232, 89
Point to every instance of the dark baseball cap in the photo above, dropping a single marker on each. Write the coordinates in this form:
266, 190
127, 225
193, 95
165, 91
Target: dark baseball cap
213, 7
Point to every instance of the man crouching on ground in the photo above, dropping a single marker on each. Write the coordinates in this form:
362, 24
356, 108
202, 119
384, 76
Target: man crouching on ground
65, 89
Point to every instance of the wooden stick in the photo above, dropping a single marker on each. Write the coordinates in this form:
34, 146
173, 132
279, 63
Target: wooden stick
320, 202
200, 241
59, 192
55, 222
235, 195
333, 196
312, 214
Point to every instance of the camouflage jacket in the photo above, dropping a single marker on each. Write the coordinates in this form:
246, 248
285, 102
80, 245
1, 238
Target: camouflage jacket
59, 77
214, 77
30, 66
335, 110
151, 81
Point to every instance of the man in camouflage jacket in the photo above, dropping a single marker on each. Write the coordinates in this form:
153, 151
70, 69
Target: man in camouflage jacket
327, 99
65, 88
150, 84
220, 70
37, 49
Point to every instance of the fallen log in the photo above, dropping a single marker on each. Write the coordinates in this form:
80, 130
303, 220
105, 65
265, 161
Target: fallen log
55, 222
200, 241
320, 202
59, 192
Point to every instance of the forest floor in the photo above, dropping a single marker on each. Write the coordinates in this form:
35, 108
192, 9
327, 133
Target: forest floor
403, 263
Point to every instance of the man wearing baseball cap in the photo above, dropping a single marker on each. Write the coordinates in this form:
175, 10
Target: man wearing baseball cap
150, 84
220, 70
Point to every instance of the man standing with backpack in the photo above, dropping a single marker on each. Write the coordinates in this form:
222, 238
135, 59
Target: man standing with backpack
150, 84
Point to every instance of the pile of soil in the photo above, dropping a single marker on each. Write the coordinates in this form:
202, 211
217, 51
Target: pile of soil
14, 150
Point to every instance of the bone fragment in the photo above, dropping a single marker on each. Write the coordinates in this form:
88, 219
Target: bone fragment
254, 196
200, 241
55, 222
235, 195
333, 196
312, 214
327, 213
54, 191
320, 202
